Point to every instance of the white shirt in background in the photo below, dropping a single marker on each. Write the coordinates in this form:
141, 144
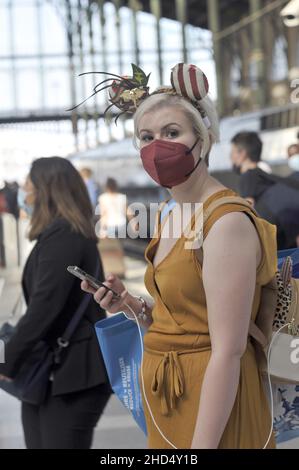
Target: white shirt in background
113, 212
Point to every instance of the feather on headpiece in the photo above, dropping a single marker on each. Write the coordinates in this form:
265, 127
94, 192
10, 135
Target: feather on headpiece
126, 93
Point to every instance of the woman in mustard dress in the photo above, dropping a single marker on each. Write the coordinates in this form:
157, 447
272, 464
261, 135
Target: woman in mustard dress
203, 389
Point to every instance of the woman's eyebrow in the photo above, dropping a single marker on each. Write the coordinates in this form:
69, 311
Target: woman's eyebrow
164, 127
171, 124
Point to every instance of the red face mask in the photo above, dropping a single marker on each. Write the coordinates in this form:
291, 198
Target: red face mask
168, 163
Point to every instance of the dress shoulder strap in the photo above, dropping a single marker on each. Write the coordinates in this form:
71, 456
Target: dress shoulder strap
227, 200
206, 212
228, 204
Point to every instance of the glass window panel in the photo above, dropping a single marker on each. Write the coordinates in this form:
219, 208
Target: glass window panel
28, 64
96, 26
28, 86
53, 29
4, 31
25, 28
57, 89
5, 65
6, 91
56, 62
110, 28
126, 29
147, 31
171, 35
149, 64
85, 34
279, 64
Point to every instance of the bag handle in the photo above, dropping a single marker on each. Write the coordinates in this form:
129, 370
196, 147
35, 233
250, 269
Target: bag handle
257, 334
16, 305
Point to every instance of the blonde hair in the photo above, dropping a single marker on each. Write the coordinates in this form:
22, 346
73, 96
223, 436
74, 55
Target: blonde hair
159, 100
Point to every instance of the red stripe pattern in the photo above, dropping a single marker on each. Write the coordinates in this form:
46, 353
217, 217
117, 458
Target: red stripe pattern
189, 81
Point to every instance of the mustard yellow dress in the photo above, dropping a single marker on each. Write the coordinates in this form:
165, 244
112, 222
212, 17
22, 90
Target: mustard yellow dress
178, 347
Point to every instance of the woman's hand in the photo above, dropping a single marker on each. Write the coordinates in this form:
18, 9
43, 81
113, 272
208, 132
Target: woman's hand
105, 298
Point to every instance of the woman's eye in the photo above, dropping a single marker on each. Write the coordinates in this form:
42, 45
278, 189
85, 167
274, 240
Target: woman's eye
146, 138
172, 133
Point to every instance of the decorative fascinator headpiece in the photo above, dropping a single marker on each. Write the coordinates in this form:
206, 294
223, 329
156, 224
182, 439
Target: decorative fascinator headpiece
127, 93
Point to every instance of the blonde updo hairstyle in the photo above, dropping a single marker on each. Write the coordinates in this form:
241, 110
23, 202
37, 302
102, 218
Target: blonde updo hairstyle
158, 101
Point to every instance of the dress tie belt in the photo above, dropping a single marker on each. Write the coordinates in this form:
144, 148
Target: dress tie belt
168, 368
168, 380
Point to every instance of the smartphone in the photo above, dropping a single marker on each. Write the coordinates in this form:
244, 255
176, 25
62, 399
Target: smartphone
92, 281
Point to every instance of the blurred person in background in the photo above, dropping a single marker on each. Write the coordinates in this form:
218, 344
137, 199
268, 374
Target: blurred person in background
10, 191
275, 198
25, 209
3, 198
57, 202
8, 205
112, 227
113, 210
293, 160
92, 186
245, 156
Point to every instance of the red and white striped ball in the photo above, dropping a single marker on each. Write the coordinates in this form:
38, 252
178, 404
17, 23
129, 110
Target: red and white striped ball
189, 81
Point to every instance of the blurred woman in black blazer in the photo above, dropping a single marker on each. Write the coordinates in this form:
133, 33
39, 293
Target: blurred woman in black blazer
78, 391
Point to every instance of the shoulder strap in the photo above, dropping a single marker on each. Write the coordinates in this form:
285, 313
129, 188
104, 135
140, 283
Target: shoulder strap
207, 212
227, 200
254, 330
64, 341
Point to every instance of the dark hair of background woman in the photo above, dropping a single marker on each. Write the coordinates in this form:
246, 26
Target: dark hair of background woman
60, 193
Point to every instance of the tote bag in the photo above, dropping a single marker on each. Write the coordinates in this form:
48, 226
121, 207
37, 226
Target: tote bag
121, 348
